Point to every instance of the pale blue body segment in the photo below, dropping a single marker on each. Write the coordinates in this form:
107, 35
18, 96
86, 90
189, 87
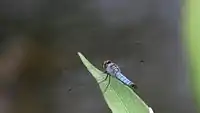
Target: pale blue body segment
122, 78
115, 71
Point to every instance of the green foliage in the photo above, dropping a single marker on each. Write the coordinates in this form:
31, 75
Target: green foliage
191, 39
119, 97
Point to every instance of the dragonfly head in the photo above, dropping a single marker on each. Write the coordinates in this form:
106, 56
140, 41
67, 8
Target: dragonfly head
105, 63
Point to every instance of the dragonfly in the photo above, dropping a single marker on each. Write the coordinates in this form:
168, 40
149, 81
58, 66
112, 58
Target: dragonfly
112, 69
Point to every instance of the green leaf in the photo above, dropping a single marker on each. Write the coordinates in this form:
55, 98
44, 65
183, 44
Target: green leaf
119, 97
191, 42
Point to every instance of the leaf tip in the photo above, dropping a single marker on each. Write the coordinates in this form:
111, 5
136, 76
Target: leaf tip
79, 53
81, 56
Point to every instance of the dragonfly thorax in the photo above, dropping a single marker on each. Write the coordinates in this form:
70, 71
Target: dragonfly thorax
112, 69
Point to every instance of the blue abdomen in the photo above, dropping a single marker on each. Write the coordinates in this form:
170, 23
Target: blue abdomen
123, 79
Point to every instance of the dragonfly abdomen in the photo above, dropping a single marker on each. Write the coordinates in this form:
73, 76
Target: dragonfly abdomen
123, 79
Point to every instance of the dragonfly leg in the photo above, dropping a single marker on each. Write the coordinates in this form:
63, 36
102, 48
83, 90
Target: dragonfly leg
107, 84
104, 79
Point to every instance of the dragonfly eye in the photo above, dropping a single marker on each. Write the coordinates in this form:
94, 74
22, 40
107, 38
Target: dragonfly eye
106, 63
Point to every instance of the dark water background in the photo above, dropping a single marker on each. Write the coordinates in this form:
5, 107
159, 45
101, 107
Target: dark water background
41, 73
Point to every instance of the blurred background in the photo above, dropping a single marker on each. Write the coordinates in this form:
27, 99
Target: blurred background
40, 71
